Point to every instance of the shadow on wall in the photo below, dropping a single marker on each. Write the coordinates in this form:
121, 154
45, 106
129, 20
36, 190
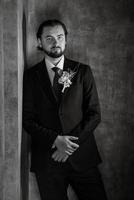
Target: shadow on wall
28, 181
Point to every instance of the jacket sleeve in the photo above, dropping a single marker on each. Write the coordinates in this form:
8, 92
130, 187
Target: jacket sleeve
91, 108
30, 123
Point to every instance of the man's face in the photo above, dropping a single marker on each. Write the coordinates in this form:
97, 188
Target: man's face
53, 41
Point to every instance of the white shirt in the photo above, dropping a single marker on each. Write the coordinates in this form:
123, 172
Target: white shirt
50, 65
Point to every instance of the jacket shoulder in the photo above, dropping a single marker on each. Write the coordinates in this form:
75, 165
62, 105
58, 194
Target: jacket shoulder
31, 70
83, 68
80, 66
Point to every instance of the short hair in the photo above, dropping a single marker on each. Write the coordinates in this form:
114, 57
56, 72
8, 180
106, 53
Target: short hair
51, 22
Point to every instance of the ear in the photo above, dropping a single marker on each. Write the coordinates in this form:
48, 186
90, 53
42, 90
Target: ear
39, 43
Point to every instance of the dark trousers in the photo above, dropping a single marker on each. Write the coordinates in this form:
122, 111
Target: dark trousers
54, 180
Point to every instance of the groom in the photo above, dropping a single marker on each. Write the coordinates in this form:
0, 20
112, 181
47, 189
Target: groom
60, 112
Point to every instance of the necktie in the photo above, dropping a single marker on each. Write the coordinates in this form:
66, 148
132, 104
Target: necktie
56, 86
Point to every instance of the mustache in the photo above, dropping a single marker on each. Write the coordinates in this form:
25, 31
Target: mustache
56, 47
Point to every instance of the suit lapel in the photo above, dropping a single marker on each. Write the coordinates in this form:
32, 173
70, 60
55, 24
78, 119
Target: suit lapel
69, 65
44, 81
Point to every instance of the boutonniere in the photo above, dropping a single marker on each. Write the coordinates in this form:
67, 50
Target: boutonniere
66, 78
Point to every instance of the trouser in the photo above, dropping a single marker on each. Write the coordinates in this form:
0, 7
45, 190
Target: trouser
53, 182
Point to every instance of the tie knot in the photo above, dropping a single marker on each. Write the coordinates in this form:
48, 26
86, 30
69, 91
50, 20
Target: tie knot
57, 70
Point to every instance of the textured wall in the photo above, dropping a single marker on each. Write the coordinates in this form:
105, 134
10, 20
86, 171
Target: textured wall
10, 98
1, 105
100, 34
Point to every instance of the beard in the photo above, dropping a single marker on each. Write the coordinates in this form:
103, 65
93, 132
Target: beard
55, 52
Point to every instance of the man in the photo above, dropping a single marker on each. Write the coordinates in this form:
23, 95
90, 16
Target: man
60, 112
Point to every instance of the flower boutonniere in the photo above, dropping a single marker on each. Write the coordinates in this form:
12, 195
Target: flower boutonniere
66, 78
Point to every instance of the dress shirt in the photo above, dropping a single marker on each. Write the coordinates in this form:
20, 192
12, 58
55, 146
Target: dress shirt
50, 65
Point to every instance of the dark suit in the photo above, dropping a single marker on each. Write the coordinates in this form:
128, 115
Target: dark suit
77, 114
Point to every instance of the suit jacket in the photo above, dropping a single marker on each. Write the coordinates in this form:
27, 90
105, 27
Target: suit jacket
78, 114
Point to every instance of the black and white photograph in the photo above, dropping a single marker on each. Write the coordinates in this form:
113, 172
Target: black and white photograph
66, 100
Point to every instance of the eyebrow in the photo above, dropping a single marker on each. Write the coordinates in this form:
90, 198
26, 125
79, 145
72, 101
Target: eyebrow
52, 36
61, 34
48, 36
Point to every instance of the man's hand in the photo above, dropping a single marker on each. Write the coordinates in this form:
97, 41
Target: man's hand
60, 156
65, 147
65, 144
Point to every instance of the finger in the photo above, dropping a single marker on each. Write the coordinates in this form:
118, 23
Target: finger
54, 154
73, 144
57, 158
53, 146
65, 158
71, 151
70, 148
73, 138
61, 156
68, 152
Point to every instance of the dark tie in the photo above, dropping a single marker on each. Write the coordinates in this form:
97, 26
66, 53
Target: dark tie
56, 86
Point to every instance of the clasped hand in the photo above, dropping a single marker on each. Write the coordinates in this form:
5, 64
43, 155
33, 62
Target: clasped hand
65, 147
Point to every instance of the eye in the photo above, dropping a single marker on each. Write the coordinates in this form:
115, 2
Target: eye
49, 39
60, 37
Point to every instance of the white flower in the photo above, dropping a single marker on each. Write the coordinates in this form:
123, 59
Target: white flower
65, 79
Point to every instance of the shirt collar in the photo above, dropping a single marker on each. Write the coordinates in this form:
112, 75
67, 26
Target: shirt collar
50, 65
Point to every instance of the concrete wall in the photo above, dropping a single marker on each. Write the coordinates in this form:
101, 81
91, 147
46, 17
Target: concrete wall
11, 67
100, 34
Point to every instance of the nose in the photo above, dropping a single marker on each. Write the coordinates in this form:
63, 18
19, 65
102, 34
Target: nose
55, 41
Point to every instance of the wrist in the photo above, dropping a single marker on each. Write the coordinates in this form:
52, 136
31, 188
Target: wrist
57, 140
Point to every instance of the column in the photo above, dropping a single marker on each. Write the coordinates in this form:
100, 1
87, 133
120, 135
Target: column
11, 70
